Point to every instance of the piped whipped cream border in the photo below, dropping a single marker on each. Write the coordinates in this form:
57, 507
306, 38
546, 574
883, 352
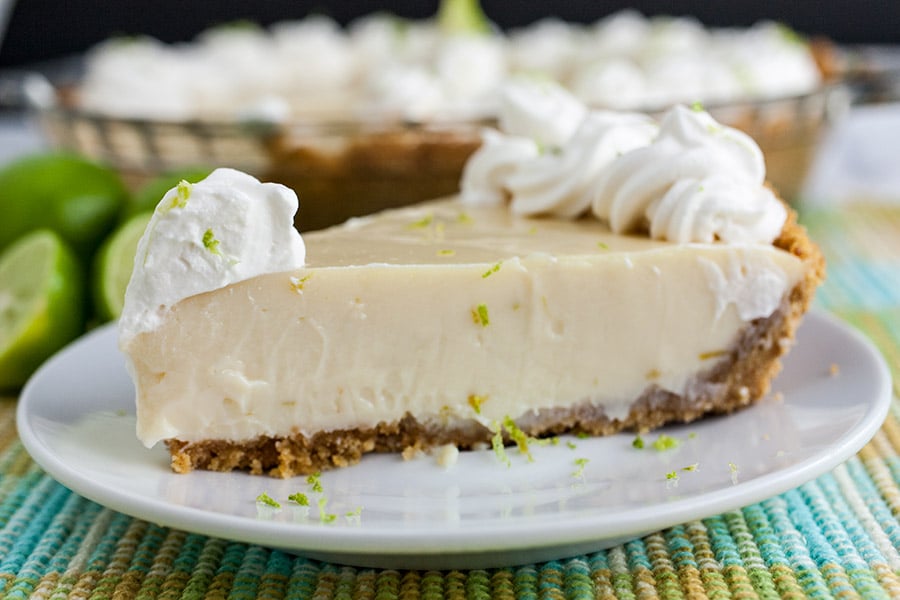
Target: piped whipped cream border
686, 178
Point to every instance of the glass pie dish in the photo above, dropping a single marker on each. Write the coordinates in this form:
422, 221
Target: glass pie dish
339, 168
346, 168
408, 100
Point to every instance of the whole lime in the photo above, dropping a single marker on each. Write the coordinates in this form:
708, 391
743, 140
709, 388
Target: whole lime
70, 195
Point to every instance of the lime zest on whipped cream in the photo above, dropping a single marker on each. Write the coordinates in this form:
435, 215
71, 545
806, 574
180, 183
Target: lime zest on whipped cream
446, 252
638, 442
180, 198
210, 242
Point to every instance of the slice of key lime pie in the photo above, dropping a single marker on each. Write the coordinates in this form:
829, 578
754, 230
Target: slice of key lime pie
599, 271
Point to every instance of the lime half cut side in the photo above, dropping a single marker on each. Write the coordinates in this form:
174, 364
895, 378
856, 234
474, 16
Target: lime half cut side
41, 304
113, 266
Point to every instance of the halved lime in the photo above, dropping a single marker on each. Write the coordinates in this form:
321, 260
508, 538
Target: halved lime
77, 198
41, 303
113, 265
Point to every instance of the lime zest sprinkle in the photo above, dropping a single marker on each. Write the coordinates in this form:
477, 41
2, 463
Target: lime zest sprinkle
552, 441
492, 270
602, 246
324, 516
463, 217
533, 230
497, 444
422, 223
475, 401
581, 463
446, 252
210, 242
734, 472
480, 315
297, 283
572, 445
179, 200
692, 435
638, 442
357, 512
712, 354
697, 106
582, 435
518, 436
665, 442
299, 498
691, 468
268, 500
672, 479
315, 481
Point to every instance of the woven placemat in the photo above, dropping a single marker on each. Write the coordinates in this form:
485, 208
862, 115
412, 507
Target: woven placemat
835, 537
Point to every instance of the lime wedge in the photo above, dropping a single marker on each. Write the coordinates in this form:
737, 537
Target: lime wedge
113, 265
41, 304
78, 199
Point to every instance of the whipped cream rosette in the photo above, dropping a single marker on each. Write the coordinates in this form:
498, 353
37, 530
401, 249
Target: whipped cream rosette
686, 179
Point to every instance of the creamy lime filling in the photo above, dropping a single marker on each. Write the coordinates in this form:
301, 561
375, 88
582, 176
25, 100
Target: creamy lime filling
384, 324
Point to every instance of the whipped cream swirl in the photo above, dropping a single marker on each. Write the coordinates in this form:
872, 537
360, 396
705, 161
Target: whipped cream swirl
202, 237
698, 181
559, 182
688, 179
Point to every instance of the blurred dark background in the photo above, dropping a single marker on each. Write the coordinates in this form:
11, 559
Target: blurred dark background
40, 30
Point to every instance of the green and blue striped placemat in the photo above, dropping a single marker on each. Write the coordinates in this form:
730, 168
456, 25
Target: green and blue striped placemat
835, 537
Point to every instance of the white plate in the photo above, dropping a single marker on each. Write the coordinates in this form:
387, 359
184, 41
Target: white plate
76, 419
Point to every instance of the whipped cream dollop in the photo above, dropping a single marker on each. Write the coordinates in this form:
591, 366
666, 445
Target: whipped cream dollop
205, 236
686, 179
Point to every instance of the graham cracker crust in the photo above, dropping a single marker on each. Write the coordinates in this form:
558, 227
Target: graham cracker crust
735, 381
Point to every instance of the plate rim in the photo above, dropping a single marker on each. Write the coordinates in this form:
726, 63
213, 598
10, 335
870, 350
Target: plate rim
546, 532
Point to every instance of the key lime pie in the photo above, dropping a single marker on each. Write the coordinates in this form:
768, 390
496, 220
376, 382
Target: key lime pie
599, 271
